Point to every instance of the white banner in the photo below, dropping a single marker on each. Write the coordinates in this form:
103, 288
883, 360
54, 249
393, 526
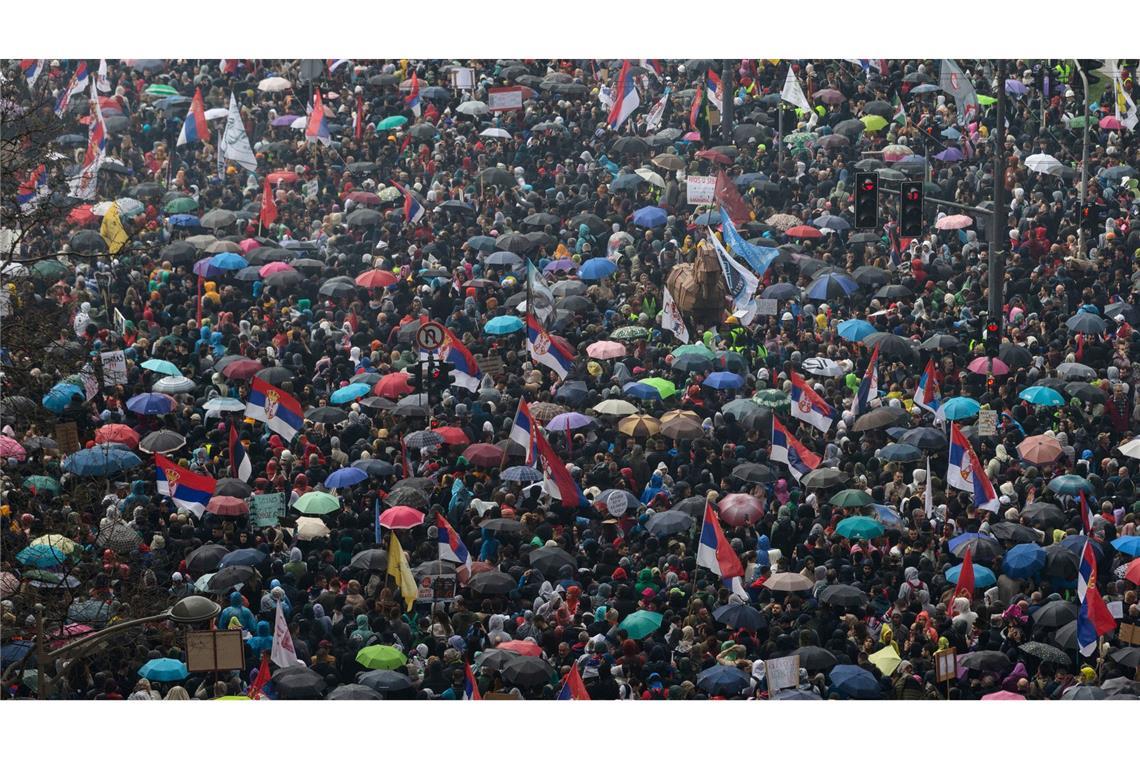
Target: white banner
114, 368
700, 190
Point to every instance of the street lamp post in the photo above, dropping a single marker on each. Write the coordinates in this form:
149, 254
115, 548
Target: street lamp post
1084, 155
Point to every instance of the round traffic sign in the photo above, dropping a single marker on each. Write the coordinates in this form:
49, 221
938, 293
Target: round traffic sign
430, 336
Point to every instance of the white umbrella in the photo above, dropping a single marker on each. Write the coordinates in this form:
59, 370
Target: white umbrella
473, 108
273, 84
174, 385
217, 113
1131, 448
495, 132
1044, 163
15, 269
651, 177
129, 206
101, 208
224, 404
300, 122
309, 528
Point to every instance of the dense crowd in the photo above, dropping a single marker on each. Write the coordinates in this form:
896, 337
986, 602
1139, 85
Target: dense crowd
845, 563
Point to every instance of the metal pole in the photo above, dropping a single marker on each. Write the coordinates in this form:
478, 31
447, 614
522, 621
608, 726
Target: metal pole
726, 88
996, 267
780, 137
1084, 155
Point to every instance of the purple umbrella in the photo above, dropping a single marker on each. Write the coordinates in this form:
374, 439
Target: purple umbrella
560, 265
950, 154
569, 421
206, 268
285, 121
1014, 87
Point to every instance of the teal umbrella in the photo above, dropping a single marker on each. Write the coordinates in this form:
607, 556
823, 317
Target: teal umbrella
164, 669
1070, 485
503, 325
1039, 395
39, 483
162, 367
641, 623
857, 528
391, 122
960, 408
983, 576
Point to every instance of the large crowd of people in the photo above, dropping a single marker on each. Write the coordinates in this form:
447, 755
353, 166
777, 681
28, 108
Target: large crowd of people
661, 543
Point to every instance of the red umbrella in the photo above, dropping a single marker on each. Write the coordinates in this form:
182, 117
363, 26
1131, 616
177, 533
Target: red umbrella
481, 567
10, 448
227, 506
375, 278
803, 231
1111, 122
242, 369
453, 436
483, 455
985, 365
739, 509
1132, 571
364, 198
82, 215
116, 433
401, 518
393, 385
276, 177
715, 156
274, 267
527, 648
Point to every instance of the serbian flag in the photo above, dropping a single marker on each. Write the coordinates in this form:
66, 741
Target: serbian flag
714, 551
716, 95
317, 128
558, 482
195, 129
695, 109
730, 199
228, 66
547, 351
785, 448
451, 548
572, 686
413, 209
240, 465
927, 394
524, 430
626, 99
965, 585
76, 84
33, 188
966, 473
336, 63
412, 99
32, 68
869, 388
470, 687
1094, 619
808, 406
277, 409
1086, 517
187, 489
268, 206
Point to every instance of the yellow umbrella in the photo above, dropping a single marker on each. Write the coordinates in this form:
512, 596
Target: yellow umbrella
63, 543
639, 426
886, 660
874, 122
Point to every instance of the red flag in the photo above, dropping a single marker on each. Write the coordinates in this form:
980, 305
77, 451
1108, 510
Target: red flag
573, 687
965, 585
262, 678
268, 206
729, 199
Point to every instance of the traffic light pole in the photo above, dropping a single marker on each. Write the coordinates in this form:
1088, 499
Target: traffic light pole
998, 236
1084, 155
727, 104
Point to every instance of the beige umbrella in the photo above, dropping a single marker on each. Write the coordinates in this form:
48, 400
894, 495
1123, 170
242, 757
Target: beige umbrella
669, 162
309, 528
788, 582
616, 407
639, 426
651, 177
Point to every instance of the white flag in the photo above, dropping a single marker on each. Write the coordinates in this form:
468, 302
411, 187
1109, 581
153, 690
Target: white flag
657, 112
84, 184
101, 80
671, 318
283, 653
740, 282
929, 491
235, 143
792, 92
1125, 108
541, 296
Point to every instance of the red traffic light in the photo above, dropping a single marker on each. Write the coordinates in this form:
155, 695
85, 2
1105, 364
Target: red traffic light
868, 185
912, 195
992, 327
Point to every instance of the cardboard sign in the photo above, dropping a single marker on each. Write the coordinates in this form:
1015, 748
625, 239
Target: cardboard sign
1128, 634
67, 436
946, 664
987, 422
214, 650
267, 509
437, 588
783, 672
505, 99
463, 78
114, 368
700, 190
491, 365
767, 307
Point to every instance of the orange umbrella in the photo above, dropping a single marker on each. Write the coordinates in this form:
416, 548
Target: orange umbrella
375, 278
1039, 449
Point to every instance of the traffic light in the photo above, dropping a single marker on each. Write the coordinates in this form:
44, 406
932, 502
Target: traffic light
416, 376
440, 376
1092, 216
866, 200
910, 209
992, 337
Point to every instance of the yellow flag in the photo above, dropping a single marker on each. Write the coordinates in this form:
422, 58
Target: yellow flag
398, 569
112, 230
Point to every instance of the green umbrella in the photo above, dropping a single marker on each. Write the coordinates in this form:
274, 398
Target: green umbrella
161, 90
162, 367
773, 399
857, 528
629, 332
381, 657
42, 483
641, 623
181, 206
392, 122
317, 503
696, 349
663, 386
874, 123
986, 100
850, 497
49, 268
1077, 122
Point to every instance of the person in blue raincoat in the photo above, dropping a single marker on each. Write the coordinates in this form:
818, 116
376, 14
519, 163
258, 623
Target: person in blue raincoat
262, 642
239, 611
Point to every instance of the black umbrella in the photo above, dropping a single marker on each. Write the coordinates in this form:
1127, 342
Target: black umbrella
751, 472
735, 616
386, 682
353, 691
630, 145
891, 346
336, 289
178, 252
1045, 652
496, 176
1055, 614
492, 583
1015, 355
843, 595
329, 415
232, 487
87, 241
162, 442
1129, 657
298, 682
515, 242
882, 417
496, 659
869, 276
693, 506
542, 219
1086, 392
376, 468
1044, 515
1060, 562
228, 577
985, 660
824, 477
408, 497
552, 562
983, 550
288, 278
1014, 532
816, 658
1085, 692
592, 222
370, 559
1065, 637
941, 341
275, 375
501, 525
925, 438
527, 671
893, 292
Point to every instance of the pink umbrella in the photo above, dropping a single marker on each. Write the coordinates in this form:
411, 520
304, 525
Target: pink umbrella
1111, 122
984, 365
401, 518
227, 506
248, 245
273, 267
1039, 449
1003, 696
691, 136
893, 153
605, 349
954, 222
10, 448
740, 509
9, 584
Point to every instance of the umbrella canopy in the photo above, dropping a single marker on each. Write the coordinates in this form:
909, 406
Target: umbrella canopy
380, 657
736, 616
164, 670
859, 528
723, 680
316, 503
641, 623
853, 682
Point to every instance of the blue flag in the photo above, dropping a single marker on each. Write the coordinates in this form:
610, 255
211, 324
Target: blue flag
758, 257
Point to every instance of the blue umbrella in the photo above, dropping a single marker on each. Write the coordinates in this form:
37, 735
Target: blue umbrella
781, 291
983, 576
345, 477
503, 325
831, 222
855, 330
1024, 561
206, 268
57, 399
184, 220
831, 285
230, 261
951, 134
960, 408
708, 218
888, 516
721, 380
626, 182
650, 216
151, 403
1127, 545
15, 652
163, 669
249, 557
503, 259
1076, 545
596, 269
165, 104
101, 461
900, 452
41, 555
853, 682
641, 390
349, 392
521, 474
1040, 395
723, 680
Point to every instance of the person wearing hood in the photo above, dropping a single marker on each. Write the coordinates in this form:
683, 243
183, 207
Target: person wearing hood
261, 642
237, 611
